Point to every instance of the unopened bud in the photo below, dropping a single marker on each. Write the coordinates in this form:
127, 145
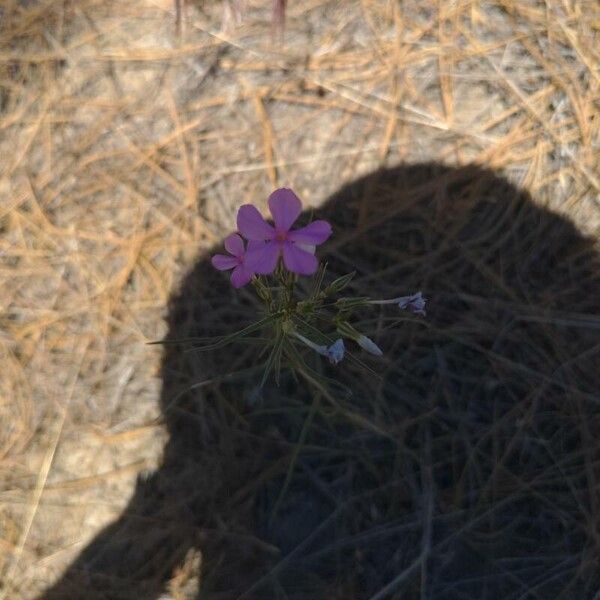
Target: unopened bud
369, 345
363, 341
337, 285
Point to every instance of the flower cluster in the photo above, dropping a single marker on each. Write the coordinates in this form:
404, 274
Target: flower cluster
260, 248
266, 243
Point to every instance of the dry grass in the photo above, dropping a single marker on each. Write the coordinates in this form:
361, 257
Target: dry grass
126, 151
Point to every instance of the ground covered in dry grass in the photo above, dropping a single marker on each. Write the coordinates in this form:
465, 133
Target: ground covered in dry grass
468, 468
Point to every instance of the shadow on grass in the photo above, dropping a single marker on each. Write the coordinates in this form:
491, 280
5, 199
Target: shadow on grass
469, 469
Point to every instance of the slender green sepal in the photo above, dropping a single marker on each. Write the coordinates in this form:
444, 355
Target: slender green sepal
337, 285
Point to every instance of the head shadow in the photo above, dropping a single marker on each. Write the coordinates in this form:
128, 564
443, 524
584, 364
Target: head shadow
466, 469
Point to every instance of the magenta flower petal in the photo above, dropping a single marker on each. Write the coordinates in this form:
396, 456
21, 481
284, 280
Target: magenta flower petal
240, 276
285, 207
313, 234
299, 261
251, 224
255, 245
263, 259
234, 244
222, 262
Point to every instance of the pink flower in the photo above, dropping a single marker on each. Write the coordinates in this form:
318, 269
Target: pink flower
297, 247
241, 274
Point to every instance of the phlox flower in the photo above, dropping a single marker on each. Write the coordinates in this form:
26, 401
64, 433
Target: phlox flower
241, 274
334, 353
296, 246
415, 303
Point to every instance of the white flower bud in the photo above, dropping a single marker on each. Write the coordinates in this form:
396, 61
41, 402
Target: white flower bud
369, 345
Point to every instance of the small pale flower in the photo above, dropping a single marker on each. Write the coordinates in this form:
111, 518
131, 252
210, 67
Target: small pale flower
242, 273
414, 303
335, 352
369, 345
296, 246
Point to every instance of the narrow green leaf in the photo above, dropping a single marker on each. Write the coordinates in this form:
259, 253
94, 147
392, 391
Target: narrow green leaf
337, 285
318, 281
273, 360
348, 303
228, 339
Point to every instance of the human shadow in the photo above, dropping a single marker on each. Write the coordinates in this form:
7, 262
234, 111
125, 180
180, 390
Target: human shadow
466, 468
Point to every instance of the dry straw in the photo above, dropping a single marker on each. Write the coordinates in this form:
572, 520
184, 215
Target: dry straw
126, 148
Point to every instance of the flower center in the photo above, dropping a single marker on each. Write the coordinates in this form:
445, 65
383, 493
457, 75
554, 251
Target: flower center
281, 236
